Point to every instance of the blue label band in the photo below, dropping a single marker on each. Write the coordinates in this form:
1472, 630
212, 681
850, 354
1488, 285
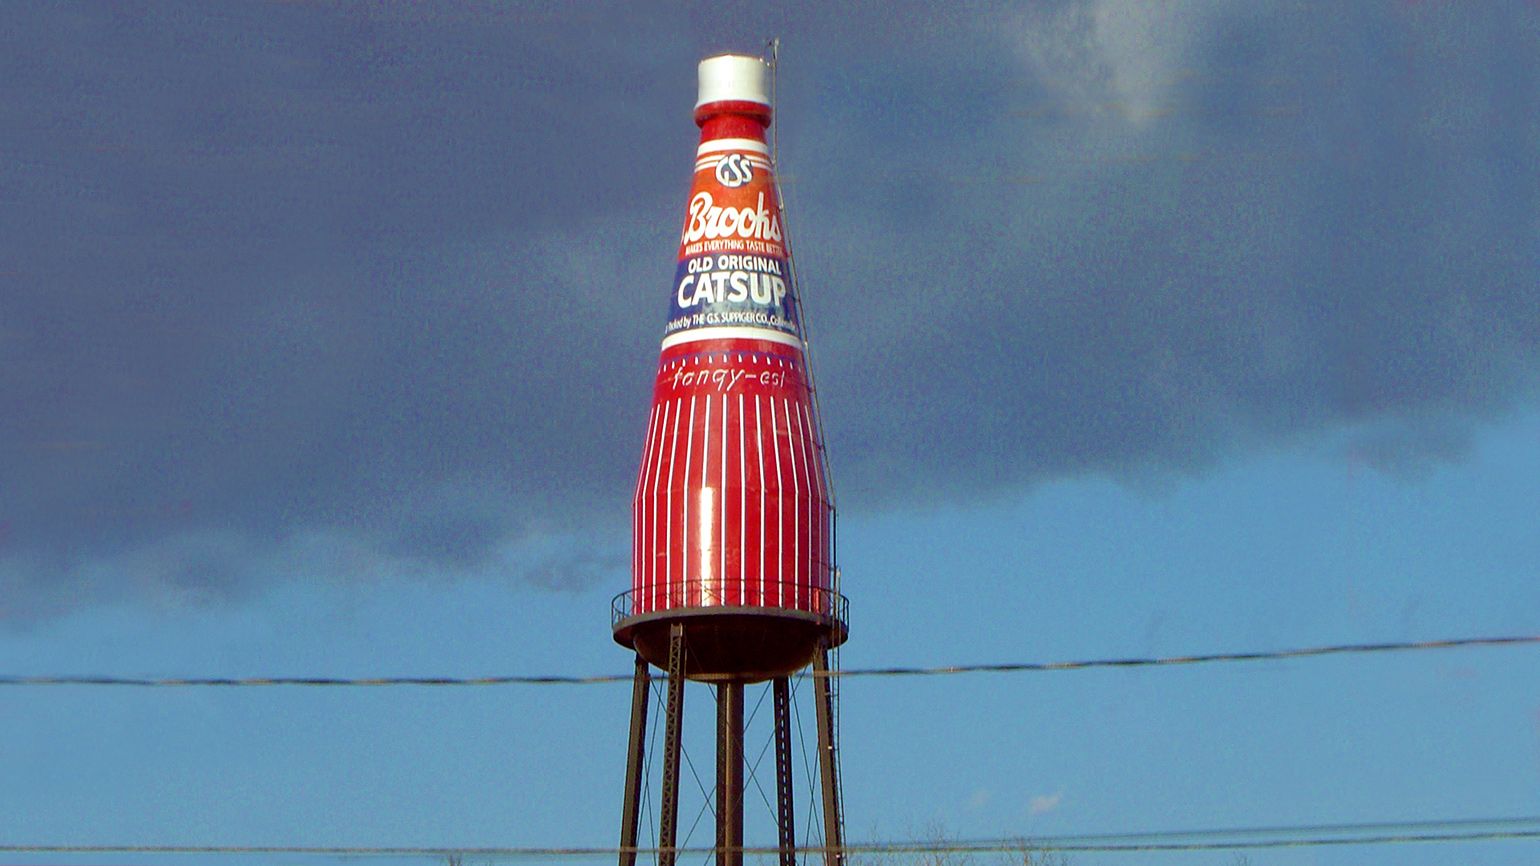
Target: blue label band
733, 289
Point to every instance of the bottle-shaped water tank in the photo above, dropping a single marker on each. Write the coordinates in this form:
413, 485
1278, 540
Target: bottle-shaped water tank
731, 516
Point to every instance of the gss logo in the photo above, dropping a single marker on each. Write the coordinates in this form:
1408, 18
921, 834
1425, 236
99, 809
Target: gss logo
734, 171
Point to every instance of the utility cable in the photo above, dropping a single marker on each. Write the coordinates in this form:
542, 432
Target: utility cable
1306, 836
997, 668
1269, 655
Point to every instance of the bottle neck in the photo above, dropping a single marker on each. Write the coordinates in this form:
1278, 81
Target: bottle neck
732, 120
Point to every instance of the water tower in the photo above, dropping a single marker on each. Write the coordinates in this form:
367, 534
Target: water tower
732, 573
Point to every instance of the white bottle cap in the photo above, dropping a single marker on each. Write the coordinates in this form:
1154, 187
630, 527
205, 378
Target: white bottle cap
734, 78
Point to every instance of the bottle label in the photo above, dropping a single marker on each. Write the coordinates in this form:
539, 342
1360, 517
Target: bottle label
732, 271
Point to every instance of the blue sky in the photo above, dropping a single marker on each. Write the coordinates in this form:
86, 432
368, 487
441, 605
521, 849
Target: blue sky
327, 333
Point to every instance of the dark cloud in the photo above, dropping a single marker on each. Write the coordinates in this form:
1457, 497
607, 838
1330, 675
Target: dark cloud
375, 290
1215, 230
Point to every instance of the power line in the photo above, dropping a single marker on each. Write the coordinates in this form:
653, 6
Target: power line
998, 668
1304, 836
1212, 658
241, 682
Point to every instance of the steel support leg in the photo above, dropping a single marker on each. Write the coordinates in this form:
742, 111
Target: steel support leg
730, 774
827, 760
668, 823
640, 687
785, 813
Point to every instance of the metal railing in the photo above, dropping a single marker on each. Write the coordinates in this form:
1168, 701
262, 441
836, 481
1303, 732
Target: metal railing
695, 594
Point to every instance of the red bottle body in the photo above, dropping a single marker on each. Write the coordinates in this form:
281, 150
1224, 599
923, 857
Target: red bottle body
732, 505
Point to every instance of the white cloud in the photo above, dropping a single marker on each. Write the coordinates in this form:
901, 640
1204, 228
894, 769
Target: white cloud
1115, 57
1043, 803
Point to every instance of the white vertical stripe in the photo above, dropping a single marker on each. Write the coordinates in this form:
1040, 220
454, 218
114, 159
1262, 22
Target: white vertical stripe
639, 510
759, 446
652, 432
652, 515
780, 515
684, 528
705, 455
668, 515
743, 508
705, 522
811, 499
722, 504
796, 507
636, 507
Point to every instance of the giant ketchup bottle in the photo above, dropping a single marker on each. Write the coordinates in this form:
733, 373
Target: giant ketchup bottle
731, 510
